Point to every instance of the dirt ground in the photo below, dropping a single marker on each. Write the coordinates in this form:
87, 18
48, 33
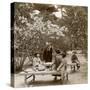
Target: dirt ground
78, 77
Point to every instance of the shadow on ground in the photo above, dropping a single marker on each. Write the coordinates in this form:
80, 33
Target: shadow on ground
45, 83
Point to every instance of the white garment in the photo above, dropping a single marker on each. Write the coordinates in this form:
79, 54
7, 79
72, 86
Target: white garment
36, 61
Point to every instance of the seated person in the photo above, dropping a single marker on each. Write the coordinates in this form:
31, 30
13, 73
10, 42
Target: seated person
37, 63
74, 59
60, 63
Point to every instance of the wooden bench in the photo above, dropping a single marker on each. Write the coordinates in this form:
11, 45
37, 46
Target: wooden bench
28, 74
73, 66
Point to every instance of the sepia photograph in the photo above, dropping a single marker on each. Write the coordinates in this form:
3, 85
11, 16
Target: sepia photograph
49, 44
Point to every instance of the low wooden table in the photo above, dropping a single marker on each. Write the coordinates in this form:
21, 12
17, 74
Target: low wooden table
28, 74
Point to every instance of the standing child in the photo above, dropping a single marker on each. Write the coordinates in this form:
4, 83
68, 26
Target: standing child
74, 59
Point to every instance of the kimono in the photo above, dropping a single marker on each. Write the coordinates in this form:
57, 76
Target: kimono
60, 65
37, 64
74, 59
36, 61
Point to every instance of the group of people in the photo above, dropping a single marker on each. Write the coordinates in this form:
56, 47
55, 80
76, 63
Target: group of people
55, 57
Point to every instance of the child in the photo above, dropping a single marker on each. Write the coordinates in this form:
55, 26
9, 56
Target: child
74, 59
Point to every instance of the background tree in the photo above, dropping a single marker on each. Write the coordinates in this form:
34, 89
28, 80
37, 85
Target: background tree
75, 19
35, 24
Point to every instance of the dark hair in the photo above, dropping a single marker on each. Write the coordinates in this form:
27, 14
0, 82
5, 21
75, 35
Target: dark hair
63, 55
58, 51
35, 54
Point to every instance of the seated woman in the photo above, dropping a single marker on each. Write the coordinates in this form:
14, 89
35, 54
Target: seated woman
37, 63
60, 64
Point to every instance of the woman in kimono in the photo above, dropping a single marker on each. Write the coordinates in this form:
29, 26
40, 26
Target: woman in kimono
60, 64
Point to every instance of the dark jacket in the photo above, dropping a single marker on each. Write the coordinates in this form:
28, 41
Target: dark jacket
74, 58
47, 55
